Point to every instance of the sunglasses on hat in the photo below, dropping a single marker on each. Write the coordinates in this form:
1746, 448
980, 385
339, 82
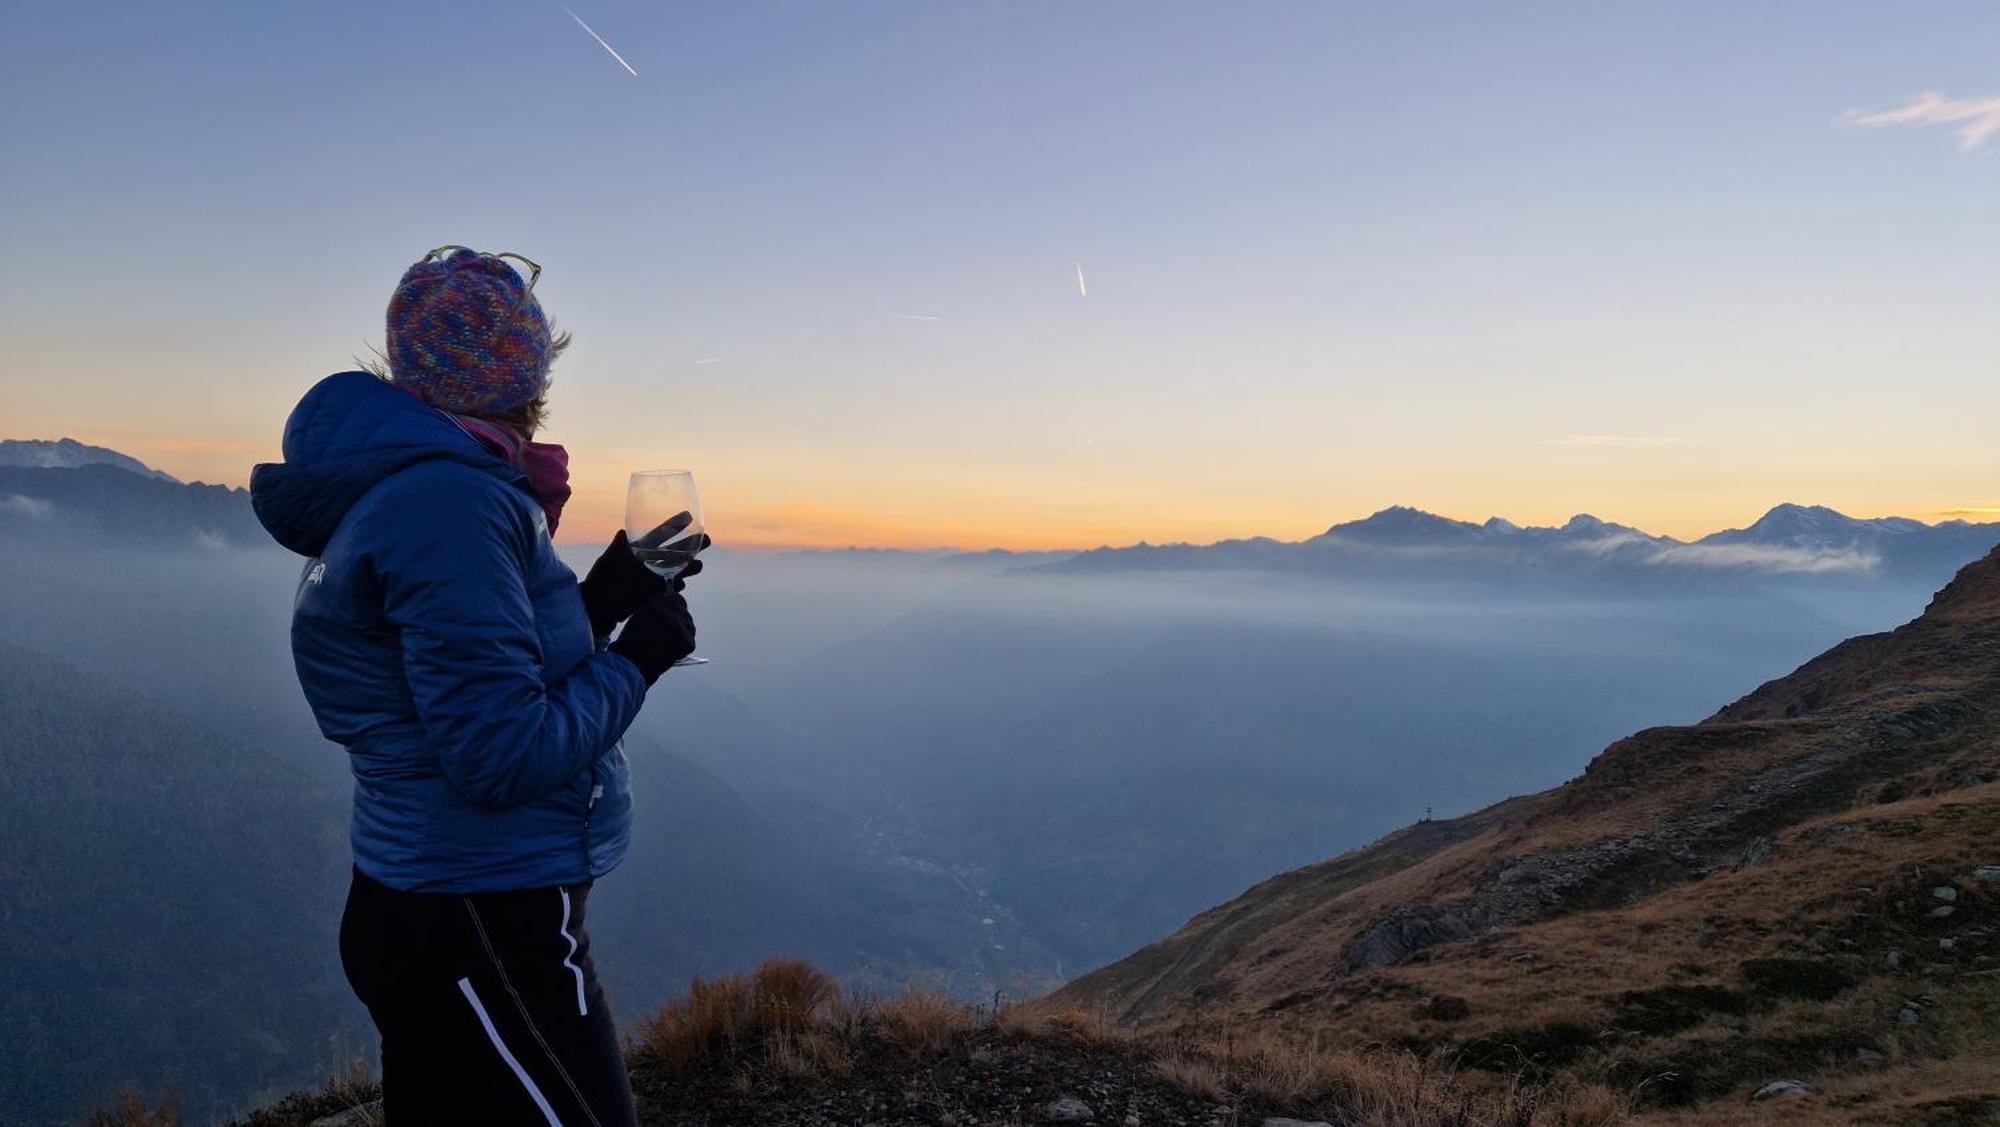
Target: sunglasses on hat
534, 268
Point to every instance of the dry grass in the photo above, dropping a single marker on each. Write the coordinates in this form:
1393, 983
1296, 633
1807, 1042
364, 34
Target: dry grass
710, 1023
814, 1052
789, 1020
1038, 1021
789, 994
351, 1088
786, 1024
1941, 1071
1019, 1021
793, 1017
354, 1084
1842, 889
720, 1018
923, 1023
1195, 1075
1387, 1088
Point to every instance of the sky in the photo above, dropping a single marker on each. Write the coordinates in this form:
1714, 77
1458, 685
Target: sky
1670, 263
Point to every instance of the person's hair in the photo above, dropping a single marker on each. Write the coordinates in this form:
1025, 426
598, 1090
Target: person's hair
527, 418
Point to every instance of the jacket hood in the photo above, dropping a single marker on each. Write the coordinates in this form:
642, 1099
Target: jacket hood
349, 433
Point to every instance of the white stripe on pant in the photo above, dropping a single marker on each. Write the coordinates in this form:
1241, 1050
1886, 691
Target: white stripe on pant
493, 1035
582, 1009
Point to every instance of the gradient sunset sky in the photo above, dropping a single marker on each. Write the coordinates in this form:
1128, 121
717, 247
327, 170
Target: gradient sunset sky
1665, 262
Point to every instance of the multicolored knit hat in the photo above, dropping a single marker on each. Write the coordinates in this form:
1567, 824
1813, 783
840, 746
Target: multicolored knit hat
466, 333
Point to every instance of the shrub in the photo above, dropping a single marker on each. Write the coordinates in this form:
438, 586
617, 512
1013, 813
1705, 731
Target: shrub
350, 1089
713, 1020
1020, 1021
789, 994
1073, 1024
1586, 1105
789, 1015
921, 1022
353, 1085
815, 1052
1195, 1075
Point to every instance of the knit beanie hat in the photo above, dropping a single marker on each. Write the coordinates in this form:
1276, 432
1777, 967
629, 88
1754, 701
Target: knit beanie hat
466, 333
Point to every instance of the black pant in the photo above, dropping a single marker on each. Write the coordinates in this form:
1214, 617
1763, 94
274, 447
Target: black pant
488, 1007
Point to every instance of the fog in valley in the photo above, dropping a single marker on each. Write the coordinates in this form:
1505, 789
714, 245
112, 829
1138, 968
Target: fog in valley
986, 773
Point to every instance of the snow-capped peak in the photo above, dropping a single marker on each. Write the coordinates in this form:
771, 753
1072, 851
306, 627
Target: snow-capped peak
69, 454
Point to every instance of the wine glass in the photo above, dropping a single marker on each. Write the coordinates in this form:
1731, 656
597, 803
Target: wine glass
664, 526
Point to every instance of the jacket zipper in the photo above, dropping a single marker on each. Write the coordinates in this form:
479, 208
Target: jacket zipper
596, 792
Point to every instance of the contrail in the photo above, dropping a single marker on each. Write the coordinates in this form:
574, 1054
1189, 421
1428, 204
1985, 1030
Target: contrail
709, 360
1081, 289
918, 317
600, 41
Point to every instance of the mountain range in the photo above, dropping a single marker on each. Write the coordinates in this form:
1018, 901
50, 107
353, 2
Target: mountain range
68, 484
68, 454
68, 488
1402, 542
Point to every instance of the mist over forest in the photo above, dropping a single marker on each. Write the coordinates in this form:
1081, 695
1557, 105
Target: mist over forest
978, 772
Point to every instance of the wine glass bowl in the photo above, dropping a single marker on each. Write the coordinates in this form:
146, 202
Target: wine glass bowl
663, 524
663, 520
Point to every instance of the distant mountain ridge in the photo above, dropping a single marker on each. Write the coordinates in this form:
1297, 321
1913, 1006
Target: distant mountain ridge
1400, 524
105, 500
68, 454
1785, 525
1789, 539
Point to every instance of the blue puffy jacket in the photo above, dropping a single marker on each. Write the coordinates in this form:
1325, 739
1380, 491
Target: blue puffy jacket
442, 642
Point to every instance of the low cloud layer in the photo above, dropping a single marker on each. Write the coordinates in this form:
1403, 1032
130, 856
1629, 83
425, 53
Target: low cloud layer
21, 506
1757, 557
1977, 120
1766, 557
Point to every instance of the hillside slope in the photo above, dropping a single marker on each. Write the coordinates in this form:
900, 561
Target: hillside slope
1805, 885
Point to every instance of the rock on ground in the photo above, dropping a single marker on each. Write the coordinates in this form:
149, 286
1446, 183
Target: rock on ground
1782, 1090
1068, 1109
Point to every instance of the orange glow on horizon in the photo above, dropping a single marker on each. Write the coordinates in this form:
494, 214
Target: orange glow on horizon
805, 526
931, 514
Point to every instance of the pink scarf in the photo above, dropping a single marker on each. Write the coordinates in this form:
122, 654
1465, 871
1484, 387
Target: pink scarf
545, 463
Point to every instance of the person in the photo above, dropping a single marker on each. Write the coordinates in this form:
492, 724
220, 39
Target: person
439, 638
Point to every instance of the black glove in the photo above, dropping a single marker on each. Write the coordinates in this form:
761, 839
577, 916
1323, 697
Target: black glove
660, 633
616, 585
669, 535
